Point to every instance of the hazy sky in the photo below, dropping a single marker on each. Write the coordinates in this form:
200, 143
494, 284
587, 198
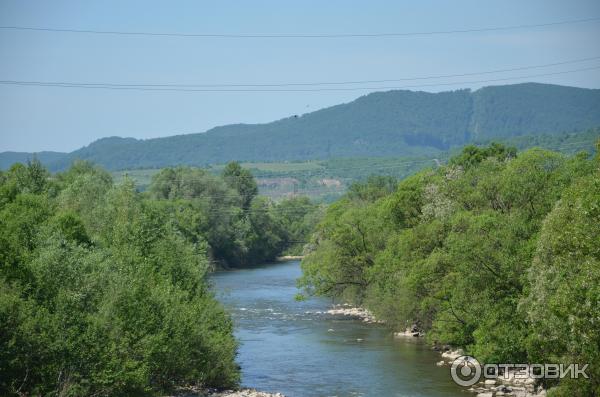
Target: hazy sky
63, 119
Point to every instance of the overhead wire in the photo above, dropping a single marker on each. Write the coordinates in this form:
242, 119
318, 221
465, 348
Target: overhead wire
295, 35
320, 89
349, 82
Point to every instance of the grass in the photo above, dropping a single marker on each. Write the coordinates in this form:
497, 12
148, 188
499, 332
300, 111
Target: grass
142, 178
279, 167
309, 176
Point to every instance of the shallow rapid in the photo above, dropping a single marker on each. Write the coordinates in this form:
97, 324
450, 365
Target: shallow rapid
296, 348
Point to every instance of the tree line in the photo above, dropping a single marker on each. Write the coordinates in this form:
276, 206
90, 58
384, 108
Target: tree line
497, 252
104, 290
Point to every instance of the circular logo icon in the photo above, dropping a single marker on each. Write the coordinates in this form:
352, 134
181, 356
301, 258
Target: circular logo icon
465, 371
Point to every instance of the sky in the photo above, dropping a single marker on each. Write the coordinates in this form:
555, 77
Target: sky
34, 118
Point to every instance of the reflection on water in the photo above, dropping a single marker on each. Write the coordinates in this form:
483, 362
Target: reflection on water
298, 349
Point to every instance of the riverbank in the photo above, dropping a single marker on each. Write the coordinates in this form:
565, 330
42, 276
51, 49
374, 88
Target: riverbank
286, 258
294, 347
244, 392
511, 385
358, 313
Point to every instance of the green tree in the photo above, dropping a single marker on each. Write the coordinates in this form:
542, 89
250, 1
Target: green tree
495, 253
564, 295
242, 181
100, 293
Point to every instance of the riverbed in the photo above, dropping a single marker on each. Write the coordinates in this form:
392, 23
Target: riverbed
296, 348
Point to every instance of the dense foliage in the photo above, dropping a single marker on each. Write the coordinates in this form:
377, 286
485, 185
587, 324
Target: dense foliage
239, 227
99, 292
392, 123
103, 289
497, 252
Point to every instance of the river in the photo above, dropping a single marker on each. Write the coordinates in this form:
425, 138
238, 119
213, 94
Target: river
299, 350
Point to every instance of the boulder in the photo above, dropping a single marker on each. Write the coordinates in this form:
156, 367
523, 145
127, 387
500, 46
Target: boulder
453, 355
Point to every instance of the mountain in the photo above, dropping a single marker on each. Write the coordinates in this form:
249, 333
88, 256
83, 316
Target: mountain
392, 123
526, 109
9, 158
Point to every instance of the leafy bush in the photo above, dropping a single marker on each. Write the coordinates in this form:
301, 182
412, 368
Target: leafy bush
497, 253
100, 294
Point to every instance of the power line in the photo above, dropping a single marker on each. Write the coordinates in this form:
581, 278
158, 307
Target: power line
299, 35
135, 85
320, 89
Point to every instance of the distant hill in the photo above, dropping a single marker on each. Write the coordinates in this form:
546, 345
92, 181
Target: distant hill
9, 158
382, 124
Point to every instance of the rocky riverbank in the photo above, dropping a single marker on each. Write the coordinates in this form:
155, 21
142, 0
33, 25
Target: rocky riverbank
512, 384
355, 312
411, 332
197, 392
508, 386
286, 258
244, 393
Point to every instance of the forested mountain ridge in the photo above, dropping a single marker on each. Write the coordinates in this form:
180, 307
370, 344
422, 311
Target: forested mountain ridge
9, 158
392, 123
520, 109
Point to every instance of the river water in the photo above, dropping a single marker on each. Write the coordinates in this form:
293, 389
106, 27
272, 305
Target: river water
299, 350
